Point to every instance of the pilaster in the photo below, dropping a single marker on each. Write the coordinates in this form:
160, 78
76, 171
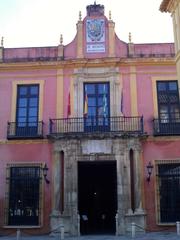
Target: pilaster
60, 94
111, 38
133, 91
55, 213
80, 39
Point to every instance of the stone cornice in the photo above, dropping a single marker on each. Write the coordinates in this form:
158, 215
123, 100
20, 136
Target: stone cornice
81, 63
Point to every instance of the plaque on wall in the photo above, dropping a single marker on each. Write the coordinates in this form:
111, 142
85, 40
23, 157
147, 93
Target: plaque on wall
95, 35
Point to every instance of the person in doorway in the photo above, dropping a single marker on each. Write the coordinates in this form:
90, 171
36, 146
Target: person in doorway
85, 223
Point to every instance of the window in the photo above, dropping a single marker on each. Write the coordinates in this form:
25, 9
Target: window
168, 101
24, 195
96, 106
169, 192
27, 110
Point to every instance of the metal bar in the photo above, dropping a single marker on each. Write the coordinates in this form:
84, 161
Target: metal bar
178, 228
21, 129
166, 126
133, 230
97, 124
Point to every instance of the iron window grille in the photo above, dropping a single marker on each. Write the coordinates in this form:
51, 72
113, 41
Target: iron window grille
168, 191
24, 195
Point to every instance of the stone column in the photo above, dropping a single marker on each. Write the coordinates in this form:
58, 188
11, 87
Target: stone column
56, 182
138, 216
128, 182
120, 158
138, 186
71, 202
55, 214
68, 182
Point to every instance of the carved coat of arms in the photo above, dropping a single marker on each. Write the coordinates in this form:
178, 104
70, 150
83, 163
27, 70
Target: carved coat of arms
95, 30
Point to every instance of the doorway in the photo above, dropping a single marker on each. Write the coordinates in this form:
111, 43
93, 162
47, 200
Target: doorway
97, 197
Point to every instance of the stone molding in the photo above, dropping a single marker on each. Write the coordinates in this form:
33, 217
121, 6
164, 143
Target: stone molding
111, 75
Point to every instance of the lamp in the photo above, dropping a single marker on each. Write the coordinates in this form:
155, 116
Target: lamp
149, 171
45, 170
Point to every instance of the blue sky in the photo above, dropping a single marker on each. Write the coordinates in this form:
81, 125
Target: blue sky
40, 22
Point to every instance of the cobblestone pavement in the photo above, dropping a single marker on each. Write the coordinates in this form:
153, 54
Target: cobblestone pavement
146, 236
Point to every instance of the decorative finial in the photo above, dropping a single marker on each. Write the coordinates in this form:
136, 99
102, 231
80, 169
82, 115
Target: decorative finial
130, 39
2, 41
61, 39
110, 17
94, 2
80, 16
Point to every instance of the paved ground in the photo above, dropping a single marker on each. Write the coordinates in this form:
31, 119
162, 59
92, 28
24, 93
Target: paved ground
147, 236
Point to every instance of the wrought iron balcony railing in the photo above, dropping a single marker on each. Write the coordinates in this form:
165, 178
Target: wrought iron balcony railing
121, 124
166, 127
17, 130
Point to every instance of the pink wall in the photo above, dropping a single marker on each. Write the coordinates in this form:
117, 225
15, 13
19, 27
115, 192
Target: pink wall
70, 50
154, 48
156, 150
28, 53
121, 48
145, 100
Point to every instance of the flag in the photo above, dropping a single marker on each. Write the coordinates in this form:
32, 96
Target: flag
104, 101
85, 104
69, 105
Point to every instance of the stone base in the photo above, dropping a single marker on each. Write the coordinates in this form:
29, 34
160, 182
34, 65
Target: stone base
138, 217
57, 221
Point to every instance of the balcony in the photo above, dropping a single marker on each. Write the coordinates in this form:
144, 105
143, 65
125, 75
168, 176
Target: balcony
96, 126
164, 127
23, 130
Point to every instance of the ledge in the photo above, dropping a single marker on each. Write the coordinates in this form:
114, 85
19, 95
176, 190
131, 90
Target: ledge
21, 227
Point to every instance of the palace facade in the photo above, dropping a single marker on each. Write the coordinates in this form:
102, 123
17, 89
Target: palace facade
89, 134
